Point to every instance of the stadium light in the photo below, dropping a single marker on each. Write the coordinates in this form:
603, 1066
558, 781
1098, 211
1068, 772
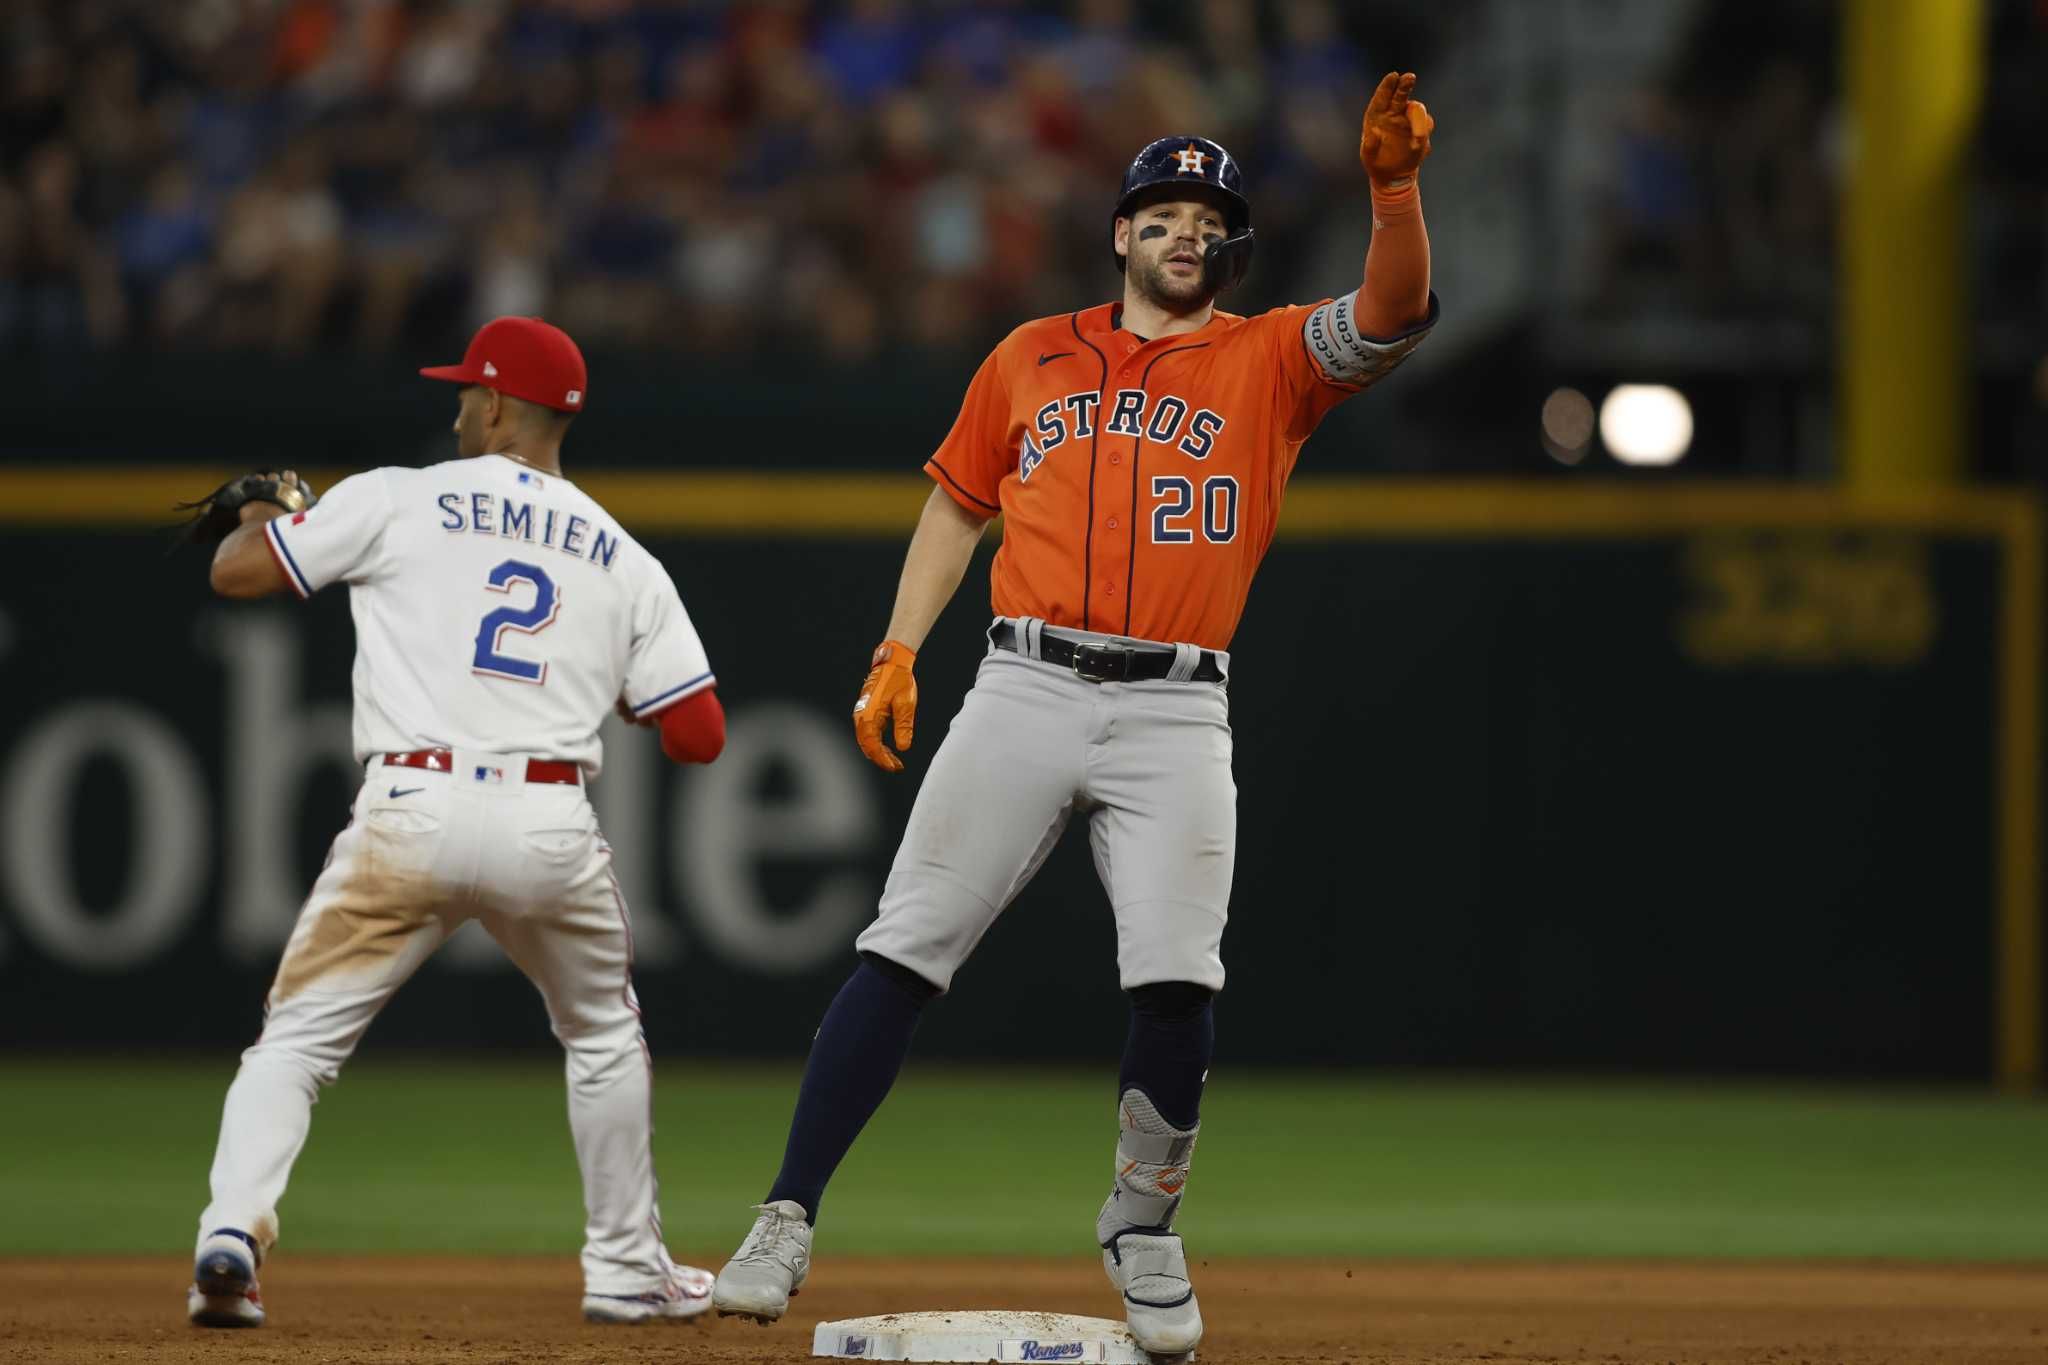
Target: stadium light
1567, 425
1646, 424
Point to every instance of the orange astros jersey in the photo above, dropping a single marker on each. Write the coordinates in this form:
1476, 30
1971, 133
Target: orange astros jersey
1140, 481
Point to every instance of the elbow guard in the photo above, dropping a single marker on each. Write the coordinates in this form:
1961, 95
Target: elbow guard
1346, 355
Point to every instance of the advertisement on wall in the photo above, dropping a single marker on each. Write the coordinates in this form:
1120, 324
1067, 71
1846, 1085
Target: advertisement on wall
1717, 798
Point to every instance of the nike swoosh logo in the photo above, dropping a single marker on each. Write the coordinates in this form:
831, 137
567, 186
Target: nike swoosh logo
1054, 356
396, 793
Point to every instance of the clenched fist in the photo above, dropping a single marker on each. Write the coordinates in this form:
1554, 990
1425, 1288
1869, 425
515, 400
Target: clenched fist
1395, 139
889, 694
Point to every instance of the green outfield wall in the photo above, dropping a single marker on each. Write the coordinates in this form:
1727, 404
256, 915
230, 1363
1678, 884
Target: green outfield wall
1665, 778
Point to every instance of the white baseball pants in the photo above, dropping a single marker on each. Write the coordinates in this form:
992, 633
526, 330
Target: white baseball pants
424, 852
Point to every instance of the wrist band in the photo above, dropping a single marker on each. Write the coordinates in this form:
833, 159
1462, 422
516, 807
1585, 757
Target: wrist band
1389, 205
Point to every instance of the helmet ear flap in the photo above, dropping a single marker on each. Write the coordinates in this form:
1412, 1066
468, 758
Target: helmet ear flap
1224, 263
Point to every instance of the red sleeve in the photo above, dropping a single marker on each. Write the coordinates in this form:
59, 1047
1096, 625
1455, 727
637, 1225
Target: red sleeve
972, 461
693, 730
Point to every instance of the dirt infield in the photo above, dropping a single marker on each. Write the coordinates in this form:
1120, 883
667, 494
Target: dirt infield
369, 1311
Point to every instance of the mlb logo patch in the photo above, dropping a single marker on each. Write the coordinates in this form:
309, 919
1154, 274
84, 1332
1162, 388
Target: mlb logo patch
484, 774
530, 480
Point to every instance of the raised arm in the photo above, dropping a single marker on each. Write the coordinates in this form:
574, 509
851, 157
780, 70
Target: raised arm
940, 550
1392, 145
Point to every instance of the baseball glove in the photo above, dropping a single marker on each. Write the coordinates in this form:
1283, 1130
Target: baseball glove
220, 511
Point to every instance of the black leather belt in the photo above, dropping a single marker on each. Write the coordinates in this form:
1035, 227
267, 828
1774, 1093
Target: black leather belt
1099, 661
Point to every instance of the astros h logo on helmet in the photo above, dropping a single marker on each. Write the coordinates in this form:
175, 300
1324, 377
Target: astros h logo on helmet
1191, 159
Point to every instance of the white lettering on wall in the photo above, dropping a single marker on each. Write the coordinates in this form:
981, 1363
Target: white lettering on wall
166, 861
724, 828
274, 740
705, 871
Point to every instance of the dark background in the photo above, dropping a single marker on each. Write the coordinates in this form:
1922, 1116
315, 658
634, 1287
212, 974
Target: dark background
1492, 813
1496, 810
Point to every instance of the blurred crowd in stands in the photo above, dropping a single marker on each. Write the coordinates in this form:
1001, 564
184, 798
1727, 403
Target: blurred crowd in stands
1716, 184
700, 174
832, 178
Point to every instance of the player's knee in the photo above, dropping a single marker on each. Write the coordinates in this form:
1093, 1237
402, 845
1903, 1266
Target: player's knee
916, 985
598, 1063
1170, 999
598, 1028
315, 1065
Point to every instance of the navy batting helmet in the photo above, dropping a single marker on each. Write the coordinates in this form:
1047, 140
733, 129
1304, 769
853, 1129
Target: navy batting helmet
1196, 161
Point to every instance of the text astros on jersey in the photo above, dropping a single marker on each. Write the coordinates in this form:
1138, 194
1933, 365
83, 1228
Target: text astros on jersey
1140, 481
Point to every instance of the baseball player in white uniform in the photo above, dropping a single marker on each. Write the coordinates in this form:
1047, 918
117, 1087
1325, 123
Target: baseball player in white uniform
500, 614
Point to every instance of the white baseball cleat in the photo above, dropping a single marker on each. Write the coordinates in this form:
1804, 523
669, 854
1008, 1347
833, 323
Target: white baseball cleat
770, 1266
224, 1292
687, 1294
1150, 1269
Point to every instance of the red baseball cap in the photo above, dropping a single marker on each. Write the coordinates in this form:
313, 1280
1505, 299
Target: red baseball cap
525, 358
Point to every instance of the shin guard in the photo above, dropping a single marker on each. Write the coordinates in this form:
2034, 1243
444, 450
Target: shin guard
1152, 1159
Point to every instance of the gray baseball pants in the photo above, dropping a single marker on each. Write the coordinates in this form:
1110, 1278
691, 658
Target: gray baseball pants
1148, 764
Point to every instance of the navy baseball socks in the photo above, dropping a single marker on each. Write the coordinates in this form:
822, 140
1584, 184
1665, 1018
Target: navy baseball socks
1167, 1052
860, 1047
1166, 1059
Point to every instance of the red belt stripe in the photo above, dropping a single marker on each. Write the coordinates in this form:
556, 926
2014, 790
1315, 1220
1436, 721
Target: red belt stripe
442, 761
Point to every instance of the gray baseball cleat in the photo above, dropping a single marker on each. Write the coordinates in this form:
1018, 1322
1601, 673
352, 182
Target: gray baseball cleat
770, 1266
1150, 1269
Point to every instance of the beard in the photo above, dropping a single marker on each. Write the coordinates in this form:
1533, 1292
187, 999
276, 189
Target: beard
1162, 290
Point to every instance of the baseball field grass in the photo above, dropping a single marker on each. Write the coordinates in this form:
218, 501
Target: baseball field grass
459, 1154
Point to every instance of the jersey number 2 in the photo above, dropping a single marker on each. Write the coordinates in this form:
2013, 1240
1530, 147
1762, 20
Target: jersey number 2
1218, 513
547, 604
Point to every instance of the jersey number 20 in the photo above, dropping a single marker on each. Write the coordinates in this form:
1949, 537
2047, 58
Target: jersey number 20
1217, 517
547, 604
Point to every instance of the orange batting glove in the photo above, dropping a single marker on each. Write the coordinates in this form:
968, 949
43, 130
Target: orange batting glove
1394, 141
890, 692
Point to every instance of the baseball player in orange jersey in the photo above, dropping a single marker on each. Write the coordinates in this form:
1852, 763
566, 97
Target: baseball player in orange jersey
1138, 452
